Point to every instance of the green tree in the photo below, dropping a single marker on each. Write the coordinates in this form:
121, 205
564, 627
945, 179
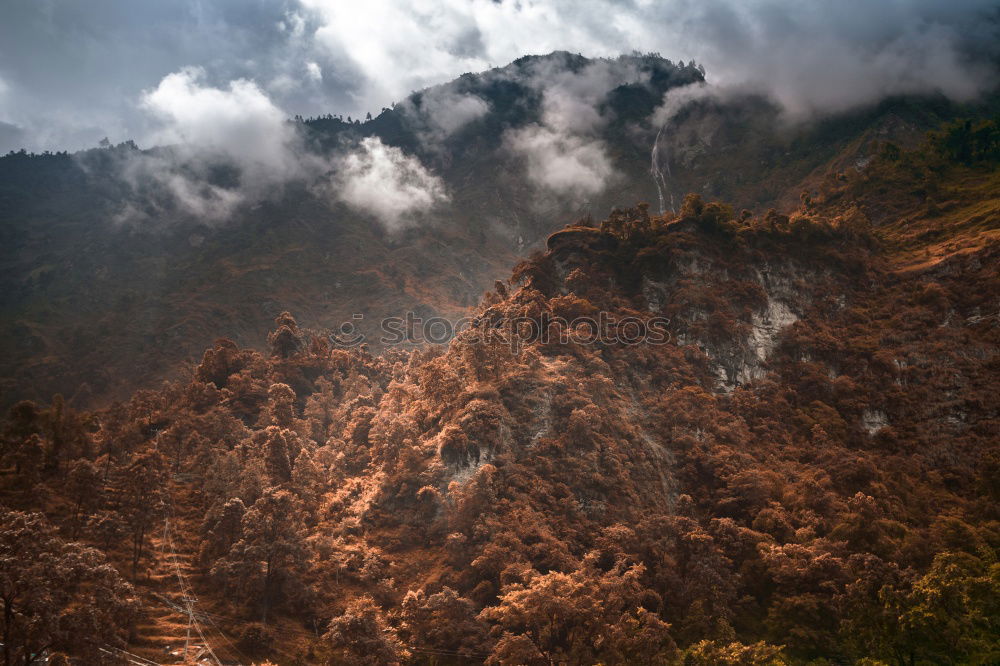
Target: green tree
952, 614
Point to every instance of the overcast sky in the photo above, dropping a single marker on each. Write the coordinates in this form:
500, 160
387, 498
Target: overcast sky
74, 71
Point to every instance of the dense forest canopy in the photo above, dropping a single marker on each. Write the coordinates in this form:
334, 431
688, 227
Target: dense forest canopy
808, 470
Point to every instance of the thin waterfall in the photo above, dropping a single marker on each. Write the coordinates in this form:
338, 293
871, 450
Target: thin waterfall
662, 189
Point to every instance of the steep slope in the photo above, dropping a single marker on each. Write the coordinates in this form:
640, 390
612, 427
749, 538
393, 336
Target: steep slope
698, 437
94, 303
93, 306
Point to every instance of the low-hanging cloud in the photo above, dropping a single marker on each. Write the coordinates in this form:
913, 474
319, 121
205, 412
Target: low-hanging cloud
676, 99
387, 183
571, 98
163, 185
812, 58
564, 164
564, 153
239, 123
203, 129
441, 111
815, 61
236, 129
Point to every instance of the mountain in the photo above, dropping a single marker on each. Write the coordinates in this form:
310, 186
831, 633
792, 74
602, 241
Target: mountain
119, 265
702, 437
94, 307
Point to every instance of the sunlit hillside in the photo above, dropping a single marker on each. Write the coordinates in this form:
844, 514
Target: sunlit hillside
781, 447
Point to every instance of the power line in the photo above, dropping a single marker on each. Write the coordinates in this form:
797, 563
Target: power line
205, 617
187, 593
228, 642
193, 616
131, 658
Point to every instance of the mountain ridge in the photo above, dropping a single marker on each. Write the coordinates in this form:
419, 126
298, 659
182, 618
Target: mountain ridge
93, 309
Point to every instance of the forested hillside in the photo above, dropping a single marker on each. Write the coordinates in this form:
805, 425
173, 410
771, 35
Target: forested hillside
118, 265
715, 436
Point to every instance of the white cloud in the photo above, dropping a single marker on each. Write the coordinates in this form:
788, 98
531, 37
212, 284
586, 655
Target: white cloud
235, 126
294, 24
67, 86
563, 163
314, 71
812, 58
239, 127
397, 47
443, 111
563, 153
194, 196
385, 182
325, 55
571, 98
238, 123
676, 99
819, 62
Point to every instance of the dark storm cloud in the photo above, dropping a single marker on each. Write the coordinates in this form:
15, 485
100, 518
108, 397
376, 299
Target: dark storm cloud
72, 72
